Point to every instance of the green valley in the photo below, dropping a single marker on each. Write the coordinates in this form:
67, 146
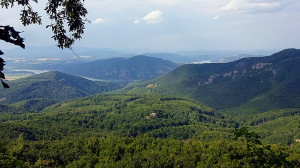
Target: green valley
239, 114
150, 84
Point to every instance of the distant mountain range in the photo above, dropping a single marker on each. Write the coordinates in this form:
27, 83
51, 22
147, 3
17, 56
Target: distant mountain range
122, 69
54, 59
261, 93
53, 85
254, 84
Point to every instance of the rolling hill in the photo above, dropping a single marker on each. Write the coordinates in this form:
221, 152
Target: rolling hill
141, 130
122, 115
138, 131
122, 69
252, 85
53, 85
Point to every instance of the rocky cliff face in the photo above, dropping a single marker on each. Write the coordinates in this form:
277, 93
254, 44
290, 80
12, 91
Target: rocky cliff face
263, 82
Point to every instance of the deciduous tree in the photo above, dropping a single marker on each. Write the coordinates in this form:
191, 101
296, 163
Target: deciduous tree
67, 21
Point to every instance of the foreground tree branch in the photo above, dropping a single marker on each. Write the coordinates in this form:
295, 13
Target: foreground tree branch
67, 17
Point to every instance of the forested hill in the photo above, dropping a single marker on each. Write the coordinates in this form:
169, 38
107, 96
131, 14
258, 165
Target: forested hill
121, 115
53, 85
122, 69
257, 84
134, 131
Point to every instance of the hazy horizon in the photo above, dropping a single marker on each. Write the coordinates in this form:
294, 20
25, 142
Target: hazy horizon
176, 25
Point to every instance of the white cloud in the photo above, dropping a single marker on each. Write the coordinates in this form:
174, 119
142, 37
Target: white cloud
48, 59
154, 17
98, 20
252, 6
217, 17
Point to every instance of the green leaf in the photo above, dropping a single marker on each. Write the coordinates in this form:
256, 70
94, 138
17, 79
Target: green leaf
2, 75
5, 85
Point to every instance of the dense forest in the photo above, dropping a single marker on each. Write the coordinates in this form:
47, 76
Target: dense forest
243, 113
144, 151
118, 115
59, 120
141, 131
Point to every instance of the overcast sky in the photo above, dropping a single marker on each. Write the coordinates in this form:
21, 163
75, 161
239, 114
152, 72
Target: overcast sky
175, 25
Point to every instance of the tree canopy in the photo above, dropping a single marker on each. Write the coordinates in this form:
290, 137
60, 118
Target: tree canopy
1, 74
67, 22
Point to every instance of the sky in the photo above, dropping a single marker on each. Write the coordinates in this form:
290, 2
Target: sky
177, 25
